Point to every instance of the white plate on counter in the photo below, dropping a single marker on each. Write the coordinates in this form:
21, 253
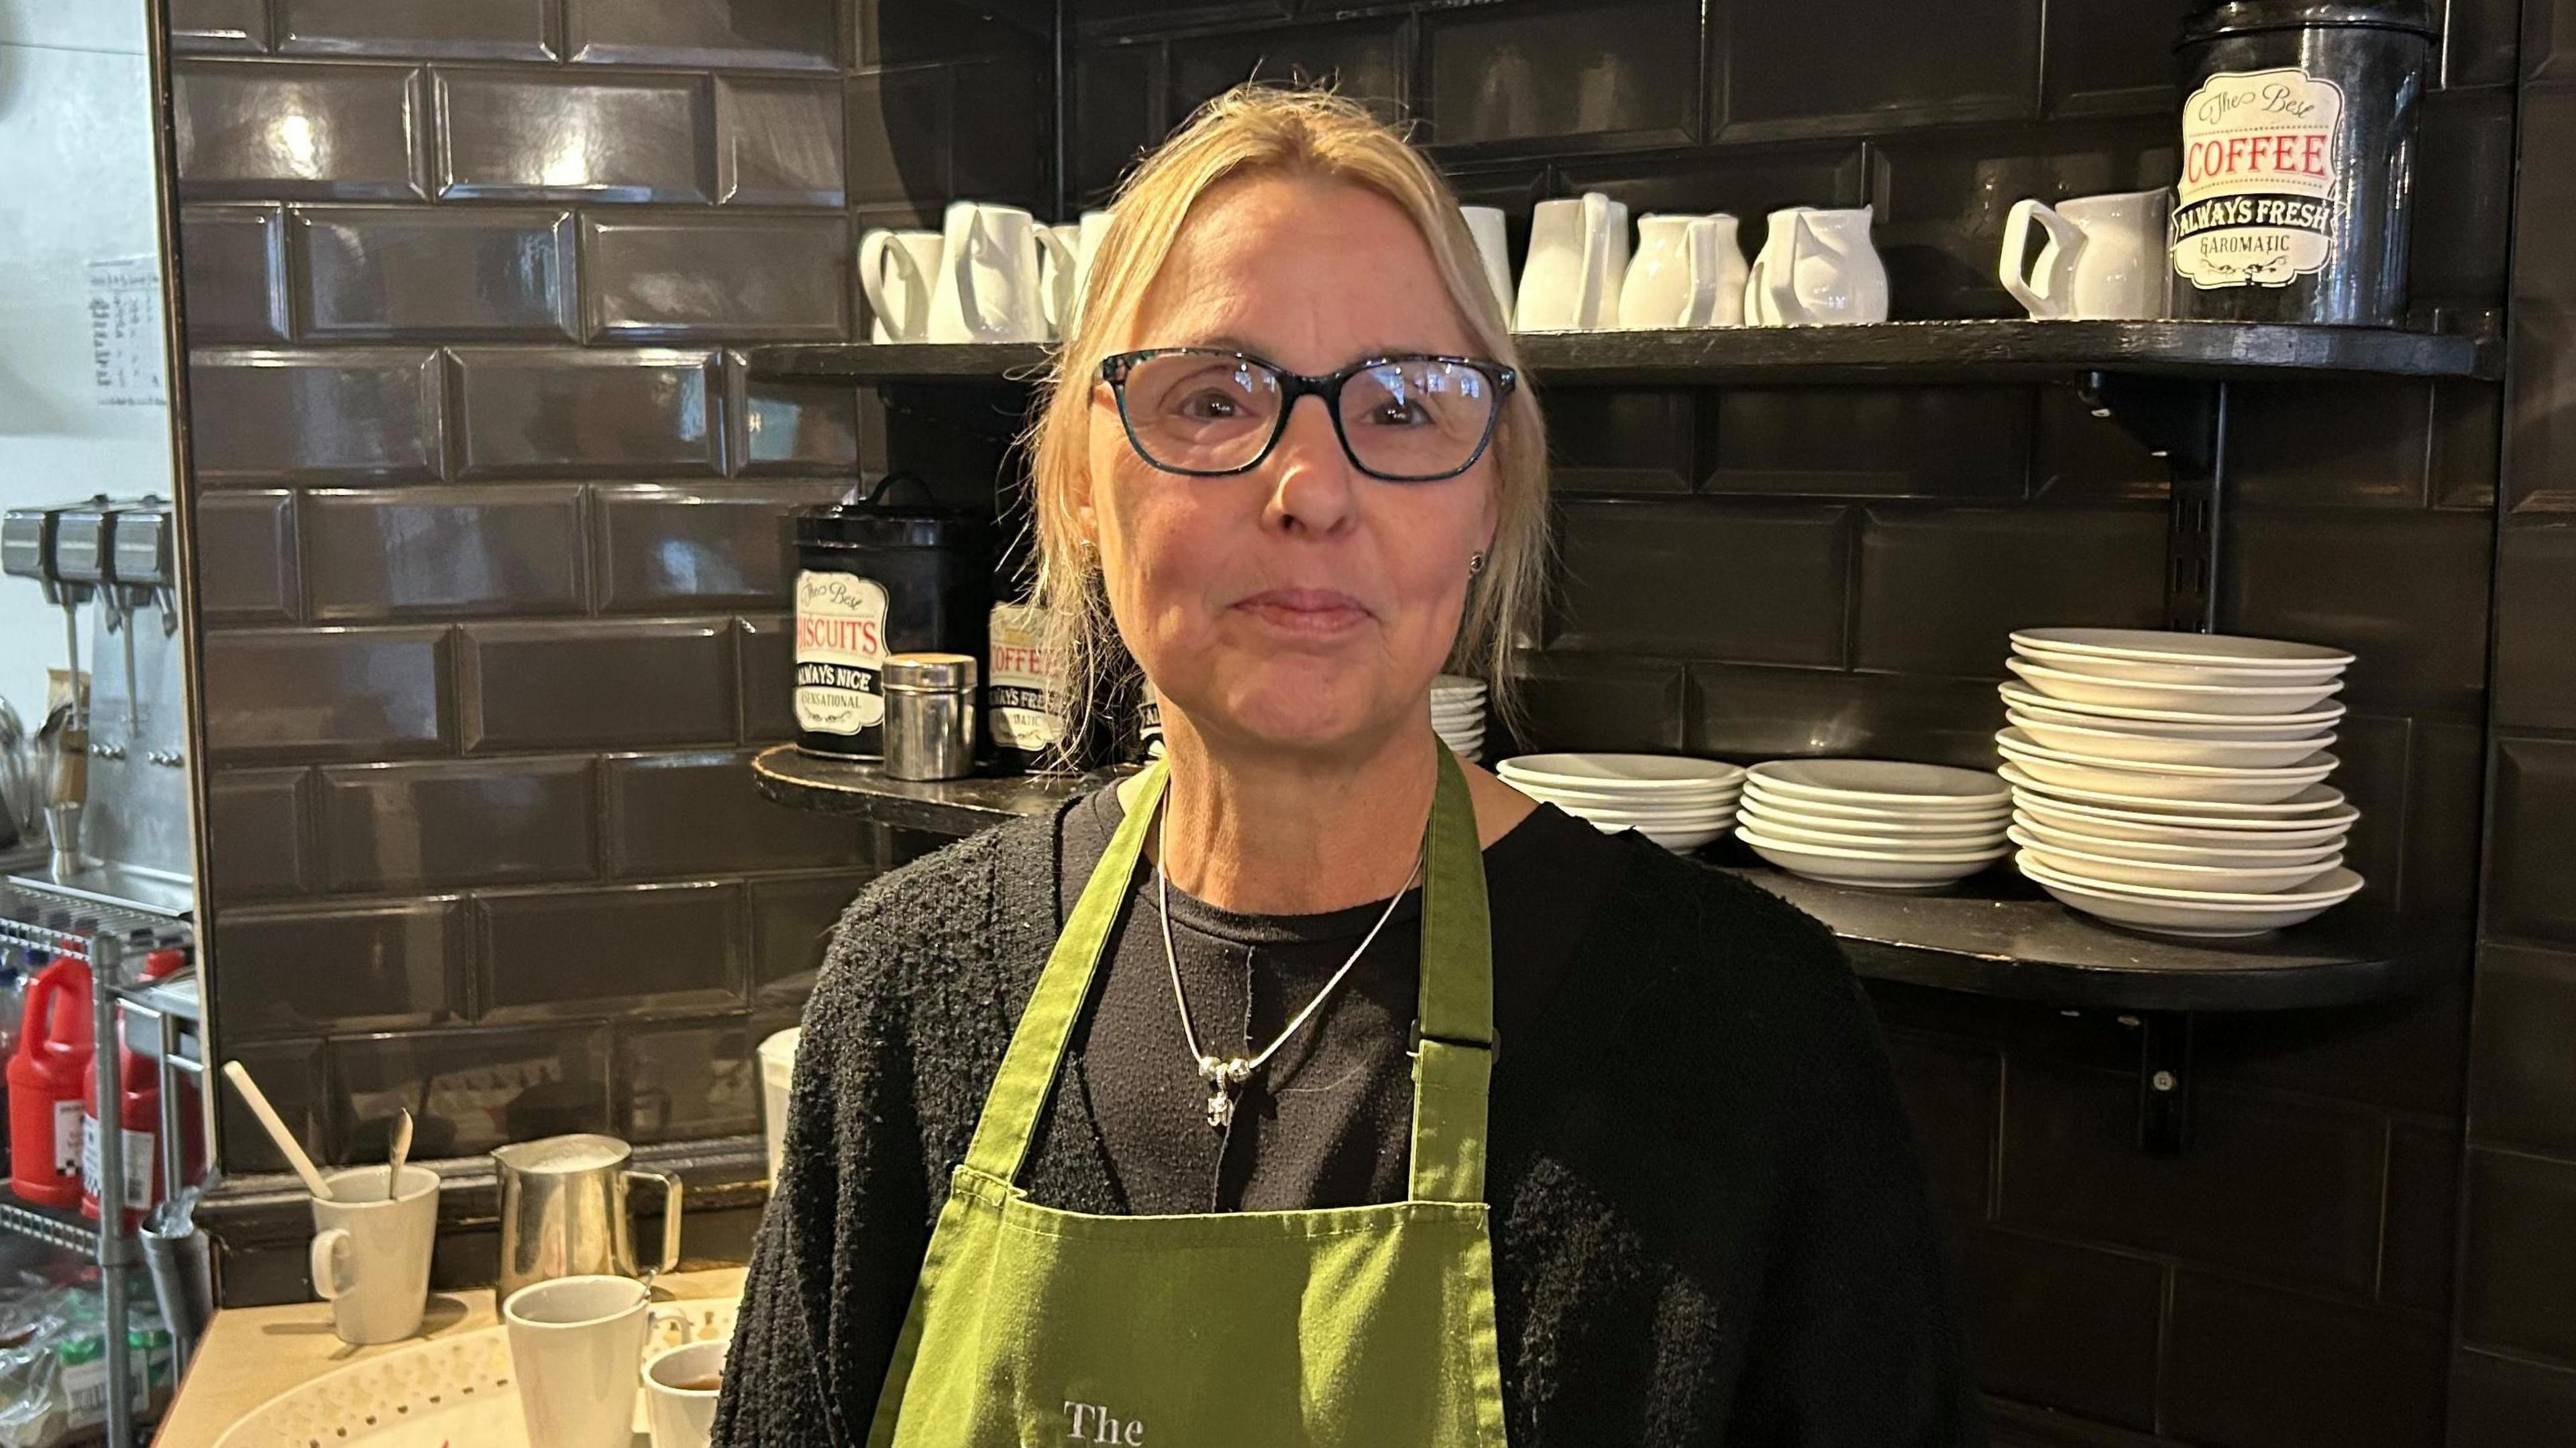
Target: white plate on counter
1868, 869
1630, 774
2196, 698
1755, 792
1986, 838
2172, 646
2165, 749
1913, 827
2198, 914
2176, 723
2093, 868
2196, 783
2144, 671
1915, 789
2244, 851
2283, 831
2316, 799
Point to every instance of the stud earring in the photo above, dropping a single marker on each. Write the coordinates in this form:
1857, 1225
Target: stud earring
1475, 563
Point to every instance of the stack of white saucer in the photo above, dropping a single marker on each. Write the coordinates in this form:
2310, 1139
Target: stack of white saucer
2174, 782
1458, 714
1678, 802
1881, 824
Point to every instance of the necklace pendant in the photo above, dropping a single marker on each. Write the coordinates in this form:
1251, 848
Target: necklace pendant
1222, 1078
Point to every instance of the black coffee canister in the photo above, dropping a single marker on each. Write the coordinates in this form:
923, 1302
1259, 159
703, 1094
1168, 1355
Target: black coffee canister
2298, 154
874, 577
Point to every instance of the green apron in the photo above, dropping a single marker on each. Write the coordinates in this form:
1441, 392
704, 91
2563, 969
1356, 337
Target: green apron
1032, 1327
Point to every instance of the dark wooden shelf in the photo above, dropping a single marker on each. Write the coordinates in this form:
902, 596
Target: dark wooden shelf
1995, 934
946, 807
1889, 352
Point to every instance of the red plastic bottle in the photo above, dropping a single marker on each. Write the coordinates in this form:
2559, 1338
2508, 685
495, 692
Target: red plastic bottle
139, 1107
47, 1079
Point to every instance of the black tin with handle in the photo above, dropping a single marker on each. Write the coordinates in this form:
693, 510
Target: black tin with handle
877, 576
2298, 157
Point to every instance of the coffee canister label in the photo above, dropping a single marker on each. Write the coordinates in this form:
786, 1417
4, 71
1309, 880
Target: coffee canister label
2256, 203
840, 652
1015, 689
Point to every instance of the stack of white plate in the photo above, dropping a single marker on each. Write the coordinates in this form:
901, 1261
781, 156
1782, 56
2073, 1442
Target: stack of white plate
1883, 824
2174, 782
1678, 802
1458, 714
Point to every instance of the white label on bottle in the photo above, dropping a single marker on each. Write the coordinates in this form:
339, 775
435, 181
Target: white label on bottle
2256, 204
68, 1130
840, 652
89, 1157
1015, 689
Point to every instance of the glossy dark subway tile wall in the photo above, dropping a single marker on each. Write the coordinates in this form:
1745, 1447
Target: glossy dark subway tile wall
490, 516
493, 528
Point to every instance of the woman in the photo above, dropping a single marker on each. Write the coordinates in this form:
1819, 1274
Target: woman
1178, 1116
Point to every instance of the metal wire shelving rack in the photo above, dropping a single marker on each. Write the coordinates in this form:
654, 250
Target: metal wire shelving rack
110, 939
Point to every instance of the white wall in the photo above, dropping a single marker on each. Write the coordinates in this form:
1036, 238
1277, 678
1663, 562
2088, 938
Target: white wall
75, 188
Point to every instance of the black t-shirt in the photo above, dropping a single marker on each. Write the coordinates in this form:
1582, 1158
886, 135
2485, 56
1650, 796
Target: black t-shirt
1327, 1123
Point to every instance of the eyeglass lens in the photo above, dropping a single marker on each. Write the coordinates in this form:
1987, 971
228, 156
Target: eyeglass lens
1411, 418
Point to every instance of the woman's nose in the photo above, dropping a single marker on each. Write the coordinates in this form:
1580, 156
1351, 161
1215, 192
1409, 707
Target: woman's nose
1313, 488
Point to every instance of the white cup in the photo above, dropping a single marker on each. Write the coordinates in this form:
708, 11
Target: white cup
371, 1256
777, 1074
682, 1416
897, 270
575, 1347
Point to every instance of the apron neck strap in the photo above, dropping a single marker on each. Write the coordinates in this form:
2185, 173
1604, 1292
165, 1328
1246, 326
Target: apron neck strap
1455, 1055
1002, 1133
1454, 1059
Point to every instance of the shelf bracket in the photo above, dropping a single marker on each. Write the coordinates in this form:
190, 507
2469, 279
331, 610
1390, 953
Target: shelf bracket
2184, 422
2164, 1080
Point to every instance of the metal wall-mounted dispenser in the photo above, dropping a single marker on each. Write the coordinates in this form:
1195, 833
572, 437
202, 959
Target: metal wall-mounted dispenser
118, 812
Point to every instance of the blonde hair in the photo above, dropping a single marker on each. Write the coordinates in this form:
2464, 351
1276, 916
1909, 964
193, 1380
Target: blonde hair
1256, 130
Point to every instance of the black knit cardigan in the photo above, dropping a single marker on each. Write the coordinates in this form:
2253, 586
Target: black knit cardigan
1709, 1223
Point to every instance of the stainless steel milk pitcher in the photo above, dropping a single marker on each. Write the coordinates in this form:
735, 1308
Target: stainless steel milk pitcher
564, 1211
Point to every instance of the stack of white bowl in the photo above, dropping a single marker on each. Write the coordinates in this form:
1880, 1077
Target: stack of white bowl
1678, 802
1882, 824
1458, 714
2174, 782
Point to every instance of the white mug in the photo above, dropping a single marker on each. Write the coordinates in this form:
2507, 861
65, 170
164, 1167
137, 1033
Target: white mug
1060, 277
575, 1346
2104, 258
990, 283
1688, 272
1578, 254
1493, 245
680, 1415
900, 303
371, 1256
1817, 267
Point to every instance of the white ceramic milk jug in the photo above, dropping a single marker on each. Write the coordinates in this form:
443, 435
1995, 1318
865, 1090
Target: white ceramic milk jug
1817, 268
1688, 272
897, 270
2104, 257
989, 286
1493, 247
1578, 254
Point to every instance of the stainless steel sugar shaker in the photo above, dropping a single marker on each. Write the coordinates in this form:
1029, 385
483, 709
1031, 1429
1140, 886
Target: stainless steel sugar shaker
930, 716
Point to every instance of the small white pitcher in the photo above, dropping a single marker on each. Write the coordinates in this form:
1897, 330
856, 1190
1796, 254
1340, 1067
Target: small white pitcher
1688, 272
2104, 257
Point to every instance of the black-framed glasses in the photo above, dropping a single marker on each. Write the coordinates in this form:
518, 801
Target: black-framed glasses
1208, 413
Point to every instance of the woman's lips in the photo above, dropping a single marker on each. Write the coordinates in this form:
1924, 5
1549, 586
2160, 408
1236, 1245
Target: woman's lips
1310, 612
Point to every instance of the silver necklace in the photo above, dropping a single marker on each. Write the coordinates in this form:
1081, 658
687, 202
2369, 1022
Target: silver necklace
1225, 1077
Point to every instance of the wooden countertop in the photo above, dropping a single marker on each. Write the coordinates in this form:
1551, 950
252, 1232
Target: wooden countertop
252, 1354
